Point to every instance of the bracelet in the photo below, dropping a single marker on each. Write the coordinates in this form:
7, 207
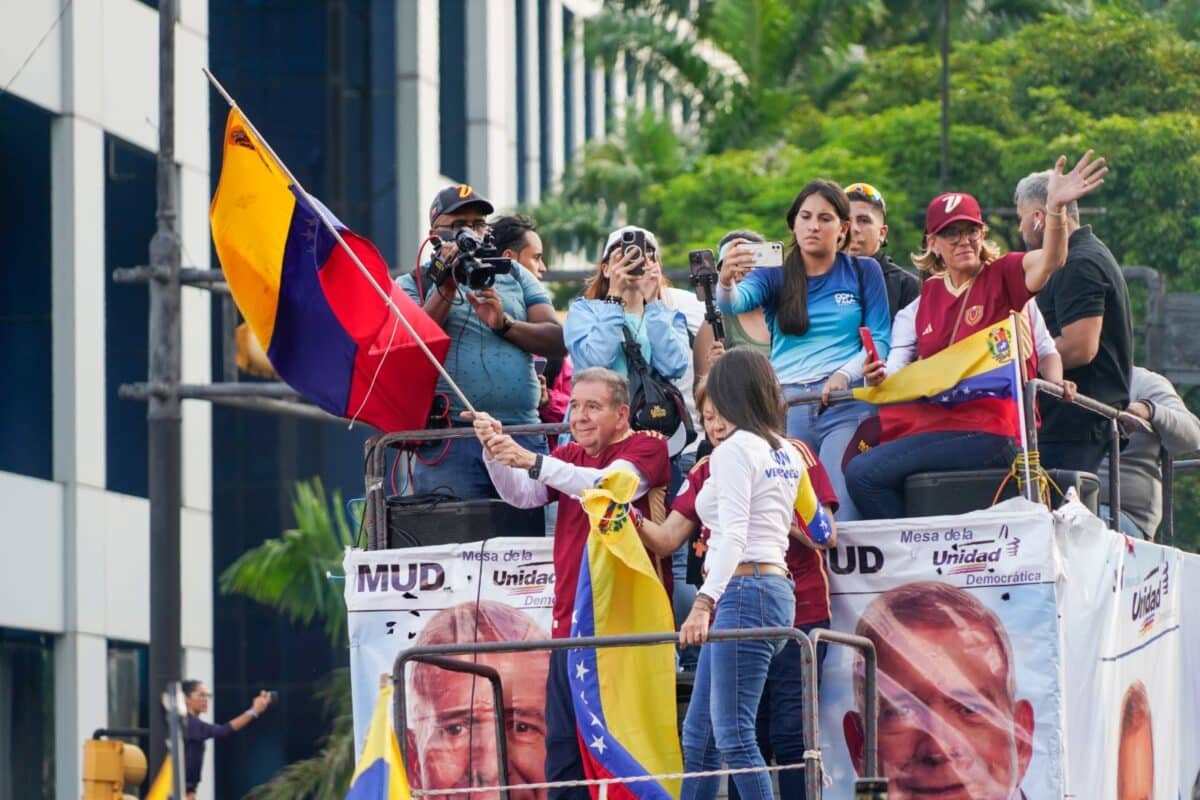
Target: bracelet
615, 300
704, 600
506, 323
1062, 212
252, 712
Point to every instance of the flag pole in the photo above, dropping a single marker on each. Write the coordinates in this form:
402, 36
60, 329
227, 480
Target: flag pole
1019, 368
342, 242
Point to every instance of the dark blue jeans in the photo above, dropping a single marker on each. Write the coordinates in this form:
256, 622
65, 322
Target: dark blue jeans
720, 721
563, 761
1083, 456
780, 724
876, 478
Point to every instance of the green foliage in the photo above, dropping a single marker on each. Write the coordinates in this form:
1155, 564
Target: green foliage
290, 573
326, 776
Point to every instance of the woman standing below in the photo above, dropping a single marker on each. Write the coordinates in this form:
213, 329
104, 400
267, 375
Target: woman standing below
814, 307
616, 297
971, 287
748, 505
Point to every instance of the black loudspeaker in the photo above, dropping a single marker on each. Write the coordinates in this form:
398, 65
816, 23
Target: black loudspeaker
420, 520
929, 494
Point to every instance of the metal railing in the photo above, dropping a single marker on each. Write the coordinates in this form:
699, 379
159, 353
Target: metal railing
443, 656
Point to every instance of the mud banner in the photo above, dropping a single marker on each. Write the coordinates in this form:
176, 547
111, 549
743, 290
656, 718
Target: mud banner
498, 590
963, 613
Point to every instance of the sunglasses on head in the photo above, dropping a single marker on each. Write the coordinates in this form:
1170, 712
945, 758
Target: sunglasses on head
866, 192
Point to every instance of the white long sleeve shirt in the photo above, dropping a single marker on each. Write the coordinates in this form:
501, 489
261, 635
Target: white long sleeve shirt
521, 491
904, 336
747, 503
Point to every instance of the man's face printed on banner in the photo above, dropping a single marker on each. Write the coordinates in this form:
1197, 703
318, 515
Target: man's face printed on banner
949, 725
1135, 753
453, 726
451, 732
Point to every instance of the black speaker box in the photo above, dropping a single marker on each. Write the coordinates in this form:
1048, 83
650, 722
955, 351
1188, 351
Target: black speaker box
420, 520
928, 494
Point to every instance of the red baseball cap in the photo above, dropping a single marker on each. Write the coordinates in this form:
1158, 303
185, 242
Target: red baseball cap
951, 207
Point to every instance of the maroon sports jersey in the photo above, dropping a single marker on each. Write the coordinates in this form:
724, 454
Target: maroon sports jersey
806, 564
647, 452
998, 289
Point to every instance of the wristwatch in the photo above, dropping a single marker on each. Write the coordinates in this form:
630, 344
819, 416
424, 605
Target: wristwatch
536, 469
506, 323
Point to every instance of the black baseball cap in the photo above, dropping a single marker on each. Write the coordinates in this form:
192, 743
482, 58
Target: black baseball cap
452, 198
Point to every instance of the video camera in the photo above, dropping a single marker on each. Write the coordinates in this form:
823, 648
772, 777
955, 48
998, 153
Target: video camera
704, 278
477, 264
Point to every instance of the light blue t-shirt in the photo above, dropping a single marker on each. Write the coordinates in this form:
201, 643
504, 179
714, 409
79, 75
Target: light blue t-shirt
496, 375
835, 312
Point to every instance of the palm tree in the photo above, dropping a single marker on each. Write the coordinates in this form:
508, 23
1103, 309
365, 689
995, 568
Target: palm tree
291, 575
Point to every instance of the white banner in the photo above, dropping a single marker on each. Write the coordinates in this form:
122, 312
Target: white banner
1021, 655
498, 590
962, 612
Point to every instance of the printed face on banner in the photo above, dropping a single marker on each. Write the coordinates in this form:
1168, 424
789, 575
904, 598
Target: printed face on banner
498, 590
949, 725
1135, 753
452, 716
961, 611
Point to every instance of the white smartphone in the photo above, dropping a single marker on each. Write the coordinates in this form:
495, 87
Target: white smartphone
766, 254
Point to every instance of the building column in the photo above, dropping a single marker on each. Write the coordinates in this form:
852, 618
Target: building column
578, 87
78, 286
657, 99
491, 140
554, 147
596, 76
418, 146
620, 93
639, 87
532, 165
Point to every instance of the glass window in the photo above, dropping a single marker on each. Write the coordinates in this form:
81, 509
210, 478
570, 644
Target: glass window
26, 715
129, 223
128, 681
26, 416
452, 87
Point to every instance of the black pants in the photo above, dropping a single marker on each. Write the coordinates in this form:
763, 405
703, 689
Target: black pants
1079, 456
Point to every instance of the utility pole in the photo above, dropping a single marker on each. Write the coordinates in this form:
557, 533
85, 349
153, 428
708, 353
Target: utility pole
163, 416
944, 176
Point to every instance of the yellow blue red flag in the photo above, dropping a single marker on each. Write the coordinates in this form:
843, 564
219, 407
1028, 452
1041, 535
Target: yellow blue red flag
380, 773
324, 328
978, 377
624, 697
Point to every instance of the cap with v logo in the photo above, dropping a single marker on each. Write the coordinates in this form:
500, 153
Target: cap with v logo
453, 198
951, 207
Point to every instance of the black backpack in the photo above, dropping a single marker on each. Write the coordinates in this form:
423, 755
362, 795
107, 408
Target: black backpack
655, 404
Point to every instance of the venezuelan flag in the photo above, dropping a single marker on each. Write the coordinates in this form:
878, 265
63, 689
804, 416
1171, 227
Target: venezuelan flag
810, 514
324, 328
162, 787
380, 772
624, 697
978, 378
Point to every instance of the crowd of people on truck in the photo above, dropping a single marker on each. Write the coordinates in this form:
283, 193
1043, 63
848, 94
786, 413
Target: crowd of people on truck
720, 507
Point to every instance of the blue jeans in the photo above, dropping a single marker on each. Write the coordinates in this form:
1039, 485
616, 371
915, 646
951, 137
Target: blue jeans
461, 471
828, 433
1127, 526
720, 721
780, 724
876, 478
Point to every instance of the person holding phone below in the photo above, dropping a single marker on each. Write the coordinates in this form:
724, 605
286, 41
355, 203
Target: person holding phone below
970, 287
624, 292
814, 307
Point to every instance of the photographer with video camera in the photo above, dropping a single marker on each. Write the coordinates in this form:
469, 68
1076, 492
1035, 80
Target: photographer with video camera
498, 316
